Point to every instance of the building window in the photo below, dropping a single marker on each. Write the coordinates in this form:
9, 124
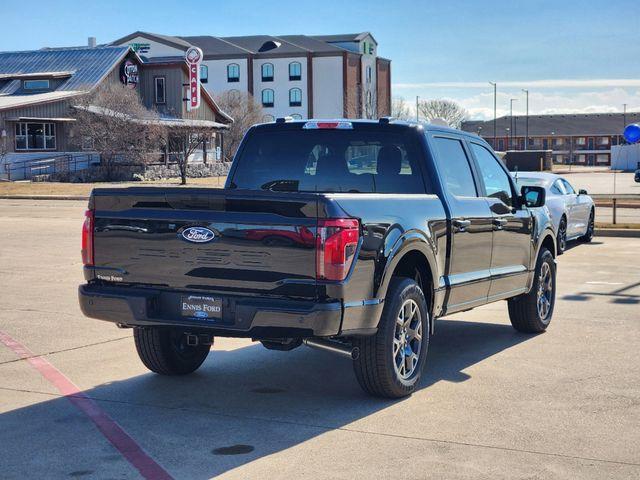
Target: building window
233, 72
296, 116
603, 141
501, 145
267, 97
268, 118
295, 71
35, 136
160, 94
295, 97
204, 74
581, 141
36, 84
558, 142
581, 158
602, 158
368, 74
267, 72
559, 158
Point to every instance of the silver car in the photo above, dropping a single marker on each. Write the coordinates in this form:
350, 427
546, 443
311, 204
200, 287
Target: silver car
572, 213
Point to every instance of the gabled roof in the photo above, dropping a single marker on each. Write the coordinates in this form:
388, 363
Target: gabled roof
344, 37
257, 45
215, 45
89, 65
556, 125
170, 40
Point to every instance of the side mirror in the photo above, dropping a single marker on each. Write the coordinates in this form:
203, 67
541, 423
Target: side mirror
533, 196
582, 191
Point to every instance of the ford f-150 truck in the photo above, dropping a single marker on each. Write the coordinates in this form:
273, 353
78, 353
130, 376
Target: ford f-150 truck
349, 236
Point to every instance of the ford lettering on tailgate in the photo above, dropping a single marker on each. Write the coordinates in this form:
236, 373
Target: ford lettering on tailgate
198, 234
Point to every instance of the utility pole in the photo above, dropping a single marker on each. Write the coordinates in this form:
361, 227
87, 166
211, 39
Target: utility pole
495, 89
526, 122
417, 102
511, 122
624, 115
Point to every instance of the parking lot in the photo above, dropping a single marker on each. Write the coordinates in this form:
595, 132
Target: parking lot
493, 404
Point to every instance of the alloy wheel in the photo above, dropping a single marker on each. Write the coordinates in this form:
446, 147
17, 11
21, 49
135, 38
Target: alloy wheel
545, 292
407, 339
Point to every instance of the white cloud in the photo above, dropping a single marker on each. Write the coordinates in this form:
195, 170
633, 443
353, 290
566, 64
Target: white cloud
480, 105
559, 83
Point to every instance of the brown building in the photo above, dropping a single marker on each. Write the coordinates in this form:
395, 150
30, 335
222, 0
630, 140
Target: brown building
38, 90
583, 139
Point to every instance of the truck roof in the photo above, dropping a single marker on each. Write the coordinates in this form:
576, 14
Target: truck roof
382, 121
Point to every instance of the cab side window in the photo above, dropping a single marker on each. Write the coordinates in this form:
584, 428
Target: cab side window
454, 167
496, 180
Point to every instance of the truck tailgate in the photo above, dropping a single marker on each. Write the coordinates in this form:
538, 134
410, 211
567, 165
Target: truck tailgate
207, 239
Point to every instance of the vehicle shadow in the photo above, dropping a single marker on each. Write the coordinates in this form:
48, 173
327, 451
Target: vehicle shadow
241, 406
619, 295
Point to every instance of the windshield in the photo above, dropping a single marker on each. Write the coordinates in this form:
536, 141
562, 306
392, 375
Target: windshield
329, 161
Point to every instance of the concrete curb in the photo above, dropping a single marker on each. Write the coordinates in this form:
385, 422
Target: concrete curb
617, 232
44, 197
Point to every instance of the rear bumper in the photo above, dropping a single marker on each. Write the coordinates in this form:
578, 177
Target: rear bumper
241, 316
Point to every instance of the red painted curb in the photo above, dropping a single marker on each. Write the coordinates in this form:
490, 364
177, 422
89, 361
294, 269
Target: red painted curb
113, 432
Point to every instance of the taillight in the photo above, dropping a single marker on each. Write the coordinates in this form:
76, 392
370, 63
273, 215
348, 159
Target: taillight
87, 238
336, 244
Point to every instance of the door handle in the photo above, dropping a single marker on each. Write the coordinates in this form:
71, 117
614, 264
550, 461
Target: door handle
500, 223
461, 225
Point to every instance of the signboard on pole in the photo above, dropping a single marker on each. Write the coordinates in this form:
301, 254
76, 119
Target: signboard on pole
193, 56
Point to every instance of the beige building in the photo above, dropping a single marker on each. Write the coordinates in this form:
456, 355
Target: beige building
302, 76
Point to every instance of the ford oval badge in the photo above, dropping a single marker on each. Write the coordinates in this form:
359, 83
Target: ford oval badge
198, 234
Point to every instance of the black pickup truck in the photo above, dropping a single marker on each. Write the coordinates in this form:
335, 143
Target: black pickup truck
349, 236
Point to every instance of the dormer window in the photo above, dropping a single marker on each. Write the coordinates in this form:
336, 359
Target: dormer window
42, 84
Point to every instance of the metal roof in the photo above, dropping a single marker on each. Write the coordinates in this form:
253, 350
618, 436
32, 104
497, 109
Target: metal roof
89, 65
587, 124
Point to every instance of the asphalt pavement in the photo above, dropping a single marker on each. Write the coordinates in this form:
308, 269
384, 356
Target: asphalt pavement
75, 401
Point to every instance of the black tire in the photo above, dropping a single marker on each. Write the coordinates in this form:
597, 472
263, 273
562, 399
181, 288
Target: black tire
523, 310
165, 351
587, 237
376, 368
561, 237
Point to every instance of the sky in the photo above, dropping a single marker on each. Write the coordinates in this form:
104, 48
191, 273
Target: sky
572, 56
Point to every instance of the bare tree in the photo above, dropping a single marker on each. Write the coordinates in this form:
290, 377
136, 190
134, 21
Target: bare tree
400, 109
448, 110
245, 112
113, 122
184, 142
361, 103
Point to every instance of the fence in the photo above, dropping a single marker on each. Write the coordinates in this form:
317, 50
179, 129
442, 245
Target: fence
617, 208
32, 168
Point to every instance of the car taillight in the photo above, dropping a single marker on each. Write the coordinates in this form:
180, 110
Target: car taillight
337, 241
87, 238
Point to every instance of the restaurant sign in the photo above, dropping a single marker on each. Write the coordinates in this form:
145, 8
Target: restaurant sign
193, 56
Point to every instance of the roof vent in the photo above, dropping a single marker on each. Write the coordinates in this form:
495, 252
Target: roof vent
269, 45
91, 42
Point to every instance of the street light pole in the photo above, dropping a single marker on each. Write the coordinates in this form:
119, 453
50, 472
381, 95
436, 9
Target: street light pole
495, 109
417, 102
526, 122
511, 122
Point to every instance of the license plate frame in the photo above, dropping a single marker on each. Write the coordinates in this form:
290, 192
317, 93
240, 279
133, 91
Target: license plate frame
201, 307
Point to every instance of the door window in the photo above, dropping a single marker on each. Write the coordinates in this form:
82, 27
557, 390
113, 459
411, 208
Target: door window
496, 180
557, 188
567, 187
453, 165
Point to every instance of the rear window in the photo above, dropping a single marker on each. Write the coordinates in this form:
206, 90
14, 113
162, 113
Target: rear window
329, 161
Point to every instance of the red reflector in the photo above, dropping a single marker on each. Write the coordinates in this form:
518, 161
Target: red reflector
340, 125
87, 238
337, 241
